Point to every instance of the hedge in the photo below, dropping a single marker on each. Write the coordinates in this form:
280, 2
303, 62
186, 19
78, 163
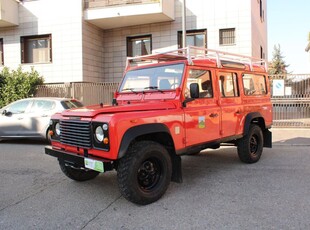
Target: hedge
17, 84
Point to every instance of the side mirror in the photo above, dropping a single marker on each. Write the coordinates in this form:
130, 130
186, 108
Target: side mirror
6, 113
194, 90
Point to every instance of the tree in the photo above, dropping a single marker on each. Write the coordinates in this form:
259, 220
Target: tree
277, 65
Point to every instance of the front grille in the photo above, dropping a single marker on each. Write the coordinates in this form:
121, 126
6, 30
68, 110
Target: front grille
75, 133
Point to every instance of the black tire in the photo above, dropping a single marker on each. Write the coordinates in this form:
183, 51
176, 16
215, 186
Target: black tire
48, 137
76, 173
250, 147
144, 173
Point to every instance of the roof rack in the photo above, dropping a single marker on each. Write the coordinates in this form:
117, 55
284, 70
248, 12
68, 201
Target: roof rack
191, 52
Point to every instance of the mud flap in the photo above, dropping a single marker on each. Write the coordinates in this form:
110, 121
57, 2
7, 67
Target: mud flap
176, 169
267, 138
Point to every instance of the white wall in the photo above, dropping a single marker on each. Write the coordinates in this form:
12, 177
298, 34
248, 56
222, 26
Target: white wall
243, 15
60, 18
83, 52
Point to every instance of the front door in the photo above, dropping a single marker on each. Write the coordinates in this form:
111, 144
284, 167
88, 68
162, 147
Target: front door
202, 115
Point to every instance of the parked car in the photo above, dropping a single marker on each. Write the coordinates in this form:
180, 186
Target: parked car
29, 118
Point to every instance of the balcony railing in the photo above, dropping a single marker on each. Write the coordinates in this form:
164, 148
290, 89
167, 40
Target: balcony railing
107, 3
109, 14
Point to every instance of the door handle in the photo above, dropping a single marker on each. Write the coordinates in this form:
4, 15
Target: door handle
213, 115
19, 118
238, 112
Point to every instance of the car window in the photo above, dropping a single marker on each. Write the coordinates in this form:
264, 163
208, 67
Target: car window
18, 107
228, 83
70, 104
203, 79
42, 105
254, 84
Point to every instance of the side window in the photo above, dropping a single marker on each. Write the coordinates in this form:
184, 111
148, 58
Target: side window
18, 107
203, 78
139, 45
36, 49
42, 105
254, 84
228, 83
1, 52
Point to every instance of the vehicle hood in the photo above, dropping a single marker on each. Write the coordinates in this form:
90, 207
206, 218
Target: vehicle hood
92, 111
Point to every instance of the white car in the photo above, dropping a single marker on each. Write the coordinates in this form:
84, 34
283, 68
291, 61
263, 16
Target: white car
29, 118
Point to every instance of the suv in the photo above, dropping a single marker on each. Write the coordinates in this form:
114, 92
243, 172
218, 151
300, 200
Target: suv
167, 105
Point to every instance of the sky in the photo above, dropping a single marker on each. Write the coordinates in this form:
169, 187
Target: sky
288, 24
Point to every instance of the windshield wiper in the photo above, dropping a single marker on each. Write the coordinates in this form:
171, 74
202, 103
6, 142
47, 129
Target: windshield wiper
130, 89
153, 87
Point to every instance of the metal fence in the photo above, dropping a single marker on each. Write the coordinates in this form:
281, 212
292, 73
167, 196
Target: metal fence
290, 97
291, 100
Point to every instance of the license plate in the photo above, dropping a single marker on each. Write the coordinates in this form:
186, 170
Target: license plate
94, 165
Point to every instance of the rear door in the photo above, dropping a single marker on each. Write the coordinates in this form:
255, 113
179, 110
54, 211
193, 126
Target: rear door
230, 103
36, 119
202, 115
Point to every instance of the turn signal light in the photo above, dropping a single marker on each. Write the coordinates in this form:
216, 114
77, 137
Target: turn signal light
51, 133
106, 141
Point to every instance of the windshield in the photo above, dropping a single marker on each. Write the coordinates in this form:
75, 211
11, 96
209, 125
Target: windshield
155, 78
70, 104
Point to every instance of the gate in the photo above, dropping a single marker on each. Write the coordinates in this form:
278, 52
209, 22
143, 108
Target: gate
291, 100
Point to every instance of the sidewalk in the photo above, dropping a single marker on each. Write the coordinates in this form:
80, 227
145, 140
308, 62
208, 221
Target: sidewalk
291, 136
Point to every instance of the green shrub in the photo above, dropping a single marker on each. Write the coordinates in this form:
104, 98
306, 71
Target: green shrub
16, 84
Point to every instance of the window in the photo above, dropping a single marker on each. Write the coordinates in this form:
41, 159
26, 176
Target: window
137, 46
262, 54
194, 38
41, 106
167, 77
228, 84
254, 84
203, 78
227, 36
18, 107
1, 52
36, 49
261, 10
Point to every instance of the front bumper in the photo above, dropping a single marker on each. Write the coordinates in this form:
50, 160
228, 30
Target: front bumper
74, 160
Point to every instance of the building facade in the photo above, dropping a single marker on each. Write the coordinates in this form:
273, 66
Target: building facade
89, 40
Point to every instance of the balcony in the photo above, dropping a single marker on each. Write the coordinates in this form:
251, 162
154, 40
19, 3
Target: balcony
8, 13
109, 14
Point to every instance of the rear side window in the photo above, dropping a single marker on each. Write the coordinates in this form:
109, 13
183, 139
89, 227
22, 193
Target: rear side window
41, 106
254, 84
228, 83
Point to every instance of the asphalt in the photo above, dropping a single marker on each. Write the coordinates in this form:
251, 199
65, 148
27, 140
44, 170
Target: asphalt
218, 192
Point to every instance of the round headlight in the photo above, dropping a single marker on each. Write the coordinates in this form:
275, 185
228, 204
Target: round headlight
99, 134
105, 127
57, 129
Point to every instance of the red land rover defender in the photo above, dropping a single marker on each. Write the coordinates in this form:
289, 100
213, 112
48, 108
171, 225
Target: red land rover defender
167, 105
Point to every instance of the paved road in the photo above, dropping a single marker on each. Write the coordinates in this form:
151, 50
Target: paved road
218, 192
